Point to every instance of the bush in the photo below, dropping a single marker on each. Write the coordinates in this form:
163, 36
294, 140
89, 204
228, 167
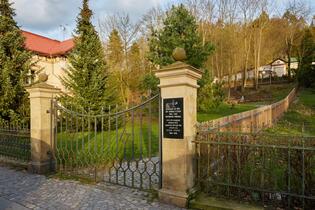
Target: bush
210, 96
306, 73
150, 83
306, 77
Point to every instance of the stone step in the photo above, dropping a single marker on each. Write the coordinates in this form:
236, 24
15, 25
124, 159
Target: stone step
204, 202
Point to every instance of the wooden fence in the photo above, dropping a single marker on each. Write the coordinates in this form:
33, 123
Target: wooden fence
252, 120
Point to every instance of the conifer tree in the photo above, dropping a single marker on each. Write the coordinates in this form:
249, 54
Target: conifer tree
115, 50
15, 62
115, 59
134, 58
87, 75
180, 30
306, 71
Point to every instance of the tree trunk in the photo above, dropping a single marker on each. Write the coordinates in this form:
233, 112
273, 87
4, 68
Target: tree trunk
289, 50
247, 50
289, 64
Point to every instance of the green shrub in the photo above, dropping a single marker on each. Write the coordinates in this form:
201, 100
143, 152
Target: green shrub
210, 96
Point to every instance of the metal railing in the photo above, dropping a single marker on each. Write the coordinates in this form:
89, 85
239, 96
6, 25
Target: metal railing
15, 143
267, 169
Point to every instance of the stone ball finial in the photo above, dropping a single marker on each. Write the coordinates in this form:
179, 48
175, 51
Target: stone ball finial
179, 54
42, 77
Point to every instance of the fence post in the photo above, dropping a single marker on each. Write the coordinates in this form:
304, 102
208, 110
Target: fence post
40, 95
178, 84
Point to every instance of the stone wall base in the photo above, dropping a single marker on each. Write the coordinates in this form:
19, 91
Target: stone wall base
179, 199
42, 167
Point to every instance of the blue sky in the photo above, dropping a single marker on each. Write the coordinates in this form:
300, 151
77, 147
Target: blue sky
46, 17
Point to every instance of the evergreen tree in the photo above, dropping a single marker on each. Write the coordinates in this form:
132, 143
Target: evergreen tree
134, 58
306, 72
115, 50
150, 83
115, 58
15, 62
180, 30
87, 75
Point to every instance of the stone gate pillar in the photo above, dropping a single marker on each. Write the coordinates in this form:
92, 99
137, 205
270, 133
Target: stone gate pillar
178, 83
40, 95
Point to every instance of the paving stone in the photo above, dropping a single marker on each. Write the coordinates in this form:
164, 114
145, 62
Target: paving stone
38, 192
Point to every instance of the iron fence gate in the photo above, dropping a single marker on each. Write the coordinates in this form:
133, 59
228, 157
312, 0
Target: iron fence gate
120, 147
276, 171
15, 142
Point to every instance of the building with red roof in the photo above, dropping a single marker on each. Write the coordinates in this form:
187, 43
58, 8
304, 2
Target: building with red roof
47, 47
50, 57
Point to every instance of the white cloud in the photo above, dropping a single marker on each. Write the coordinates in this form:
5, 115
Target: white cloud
46, 16
45, 13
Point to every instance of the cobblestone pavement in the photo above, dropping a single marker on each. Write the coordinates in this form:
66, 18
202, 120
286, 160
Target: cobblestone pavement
38, 192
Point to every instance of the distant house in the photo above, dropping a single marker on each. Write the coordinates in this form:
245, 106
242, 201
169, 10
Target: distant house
239, 76
294, 63
265, 71
278, 68
50, 56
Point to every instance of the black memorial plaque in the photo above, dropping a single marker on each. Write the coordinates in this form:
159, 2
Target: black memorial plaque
173, 118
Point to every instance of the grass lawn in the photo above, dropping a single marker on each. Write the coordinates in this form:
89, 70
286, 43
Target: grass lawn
279, 92
268, 94
264, 96
300, 119
127, 143
224, 110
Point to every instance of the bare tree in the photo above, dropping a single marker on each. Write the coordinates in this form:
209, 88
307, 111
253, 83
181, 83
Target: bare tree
128, 30
249, 11
129, 34
259, 25
204, 12
151, 21
295, 16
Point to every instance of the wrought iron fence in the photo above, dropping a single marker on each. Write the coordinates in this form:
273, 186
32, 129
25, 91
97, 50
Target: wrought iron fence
15, 143
121, 147
271, 170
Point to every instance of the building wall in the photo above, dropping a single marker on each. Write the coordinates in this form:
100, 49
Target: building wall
250, 74
294, 65
279, 70
279, 67
55, 68
239, 76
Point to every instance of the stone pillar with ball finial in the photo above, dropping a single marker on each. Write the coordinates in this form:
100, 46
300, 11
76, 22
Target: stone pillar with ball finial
178, 84
42, 144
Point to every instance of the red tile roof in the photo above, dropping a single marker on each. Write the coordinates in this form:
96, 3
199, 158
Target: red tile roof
45, 46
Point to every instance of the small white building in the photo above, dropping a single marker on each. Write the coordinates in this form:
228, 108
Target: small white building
239, 76
265, 71
279, 67
294, 63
